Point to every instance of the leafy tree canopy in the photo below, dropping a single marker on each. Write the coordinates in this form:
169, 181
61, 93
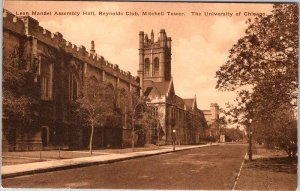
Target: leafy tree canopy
268, 52
263, 69
20, 95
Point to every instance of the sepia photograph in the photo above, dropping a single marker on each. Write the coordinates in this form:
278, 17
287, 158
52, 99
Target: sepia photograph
149, 95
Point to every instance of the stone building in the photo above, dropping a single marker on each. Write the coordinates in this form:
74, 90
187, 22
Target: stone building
211, 116
63, 69
175, 113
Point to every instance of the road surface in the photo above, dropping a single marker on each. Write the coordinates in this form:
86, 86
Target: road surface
206, 168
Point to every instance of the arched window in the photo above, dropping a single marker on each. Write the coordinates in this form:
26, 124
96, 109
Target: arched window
73, 87
147, 67
123, 100
139, 110
110, 96
91, 88
156, 66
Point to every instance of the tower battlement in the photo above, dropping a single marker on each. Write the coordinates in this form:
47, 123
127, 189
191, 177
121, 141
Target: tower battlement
28, 26
163, 41
154, 57
13, 23
214, 108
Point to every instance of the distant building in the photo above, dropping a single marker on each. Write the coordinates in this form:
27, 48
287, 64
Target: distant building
176, 113
211, 117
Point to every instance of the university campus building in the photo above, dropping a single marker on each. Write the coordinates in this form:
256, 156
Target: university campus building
177, 115
63, 70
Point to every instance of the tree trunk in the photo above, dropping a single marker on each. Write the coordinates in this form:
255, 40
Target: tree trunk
91, 139
250, 144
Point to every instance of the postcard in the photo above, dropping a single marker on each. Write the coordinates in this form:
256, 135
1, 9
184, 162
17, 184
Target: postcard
149, 95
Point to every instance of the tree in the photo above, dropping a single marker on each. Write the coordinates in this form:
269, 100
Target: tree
263, 68
233, 134
20, 95
221, 122
143, 117
158, 116
269, 49
94, 106
280, 131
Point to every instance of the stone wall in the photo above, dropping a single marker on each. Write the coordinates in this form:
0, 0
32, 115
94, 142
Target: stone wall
39, 46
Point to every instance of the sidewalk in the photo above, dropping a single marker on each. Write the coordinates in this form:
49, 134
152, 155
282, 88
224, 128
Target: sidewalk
22, 157
47, 166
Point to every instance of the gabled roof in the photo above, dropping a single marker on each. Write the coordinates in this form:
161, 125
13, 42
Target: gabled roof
157, 88
163, 87
148, 91
189, 103
179, 101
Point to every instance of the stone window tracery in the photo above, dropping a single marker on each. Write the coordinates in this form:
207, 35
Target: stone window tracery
109, 95
46, 80
73, 87
123, 100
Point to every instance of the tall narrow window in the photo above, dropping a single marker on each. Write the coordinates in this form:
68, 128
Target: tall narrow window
109, 96
91, 87
123, 100
147, 67
45, 86
73, 87
156, 66
46, 81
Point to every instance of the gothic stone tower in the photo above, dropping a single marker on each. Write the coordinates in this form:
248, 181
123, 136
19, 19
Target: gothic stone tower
154, 58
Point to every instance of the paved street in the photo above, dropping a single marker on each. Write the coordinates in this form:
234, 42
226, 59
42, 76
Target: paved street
202, 168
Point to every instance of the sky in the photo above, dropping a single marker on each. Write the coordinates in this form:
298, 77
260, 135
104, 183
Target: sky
200, 44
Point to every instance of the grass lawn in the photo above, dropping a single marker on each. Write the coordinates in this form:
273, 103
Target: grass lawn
270, 170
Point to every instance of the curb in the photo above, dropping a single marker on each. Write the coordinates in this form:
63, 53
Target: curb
86, 164
240, 170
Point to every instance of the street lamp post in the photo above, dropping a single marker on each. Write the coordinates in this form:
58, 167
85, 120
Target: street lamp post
173, 138
157, 125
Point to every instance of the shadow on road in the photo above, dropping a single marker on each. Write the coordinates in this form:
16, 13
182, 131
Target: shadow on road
275, 164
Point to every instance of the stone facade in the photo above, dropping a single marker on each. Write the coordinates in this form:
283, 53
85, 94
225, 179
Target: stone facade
175, 113
211, 116
63, 69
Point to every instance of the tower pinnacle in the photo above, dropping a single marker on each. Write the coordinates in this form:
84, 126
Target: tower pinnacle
155, 57
152, 35
92, 51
